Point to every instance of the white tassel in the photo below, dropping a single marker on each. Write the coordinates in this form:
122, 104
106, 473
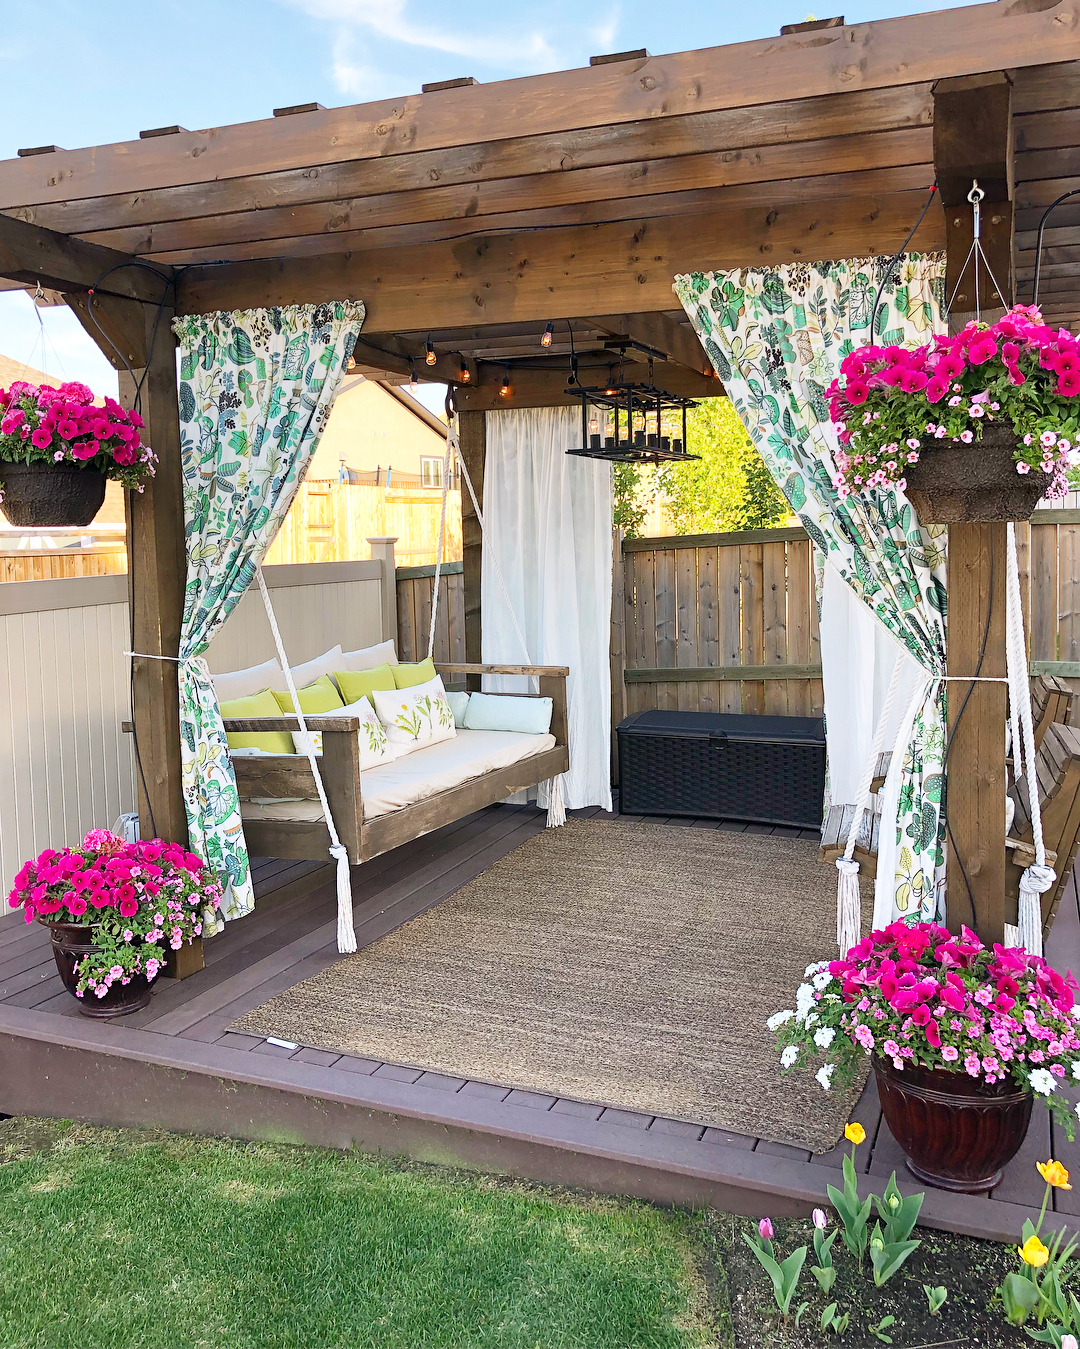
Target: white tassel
1035, 881
848, 905
346, 936
556, 815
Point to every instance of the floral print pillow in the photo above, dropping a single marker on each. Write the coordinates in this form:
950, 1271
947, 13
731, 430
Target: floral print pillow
375, 749
417, 716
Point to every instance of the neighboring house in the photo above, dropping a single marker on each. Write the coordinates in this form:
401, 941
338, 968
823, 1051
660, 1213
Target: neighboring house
376, 427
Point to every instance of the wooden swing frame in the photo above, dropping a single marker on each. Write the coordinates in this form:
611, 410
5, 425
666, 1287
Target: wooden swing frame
283, 775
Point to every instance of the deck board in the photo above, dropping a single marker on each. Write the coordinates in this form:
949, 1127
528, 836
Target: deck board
177, 1064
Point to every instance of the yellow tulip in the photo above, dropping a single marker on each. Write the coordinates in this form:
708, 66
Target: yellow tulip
1034, 1253
855, 1133
1054, 1174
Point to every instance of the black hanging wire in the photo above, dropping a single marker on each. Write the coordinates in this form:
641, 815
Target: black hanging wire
137, 405
891, 264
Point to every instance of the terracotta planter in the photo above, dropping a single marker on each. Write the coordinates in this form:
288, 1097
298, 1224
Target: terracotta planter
42, 494
70, 942
954, 483
958, 1132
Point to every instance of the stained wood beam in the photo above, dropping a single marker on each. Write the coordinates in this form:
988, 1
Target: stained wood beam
626, 266
30, 254
973, 141
873, 55
662, 333
744, 145
538, 388
401, 357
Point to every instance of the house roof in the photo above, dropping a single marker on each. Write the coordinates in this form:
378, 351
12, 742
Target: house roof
12, 370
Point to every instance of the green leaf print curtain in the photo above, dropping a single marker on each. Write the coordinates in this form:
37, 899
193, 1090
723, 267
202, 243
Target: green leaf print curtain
256, 388
776, 337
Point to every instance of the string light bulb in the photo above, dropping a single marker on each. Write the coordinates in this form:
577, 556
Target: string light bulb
549, 333
430, 356
504, 391
412, 376
465, 372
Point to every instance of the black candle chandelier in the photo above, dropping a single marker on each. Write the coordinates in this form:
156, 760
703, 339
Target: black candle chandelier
633, 431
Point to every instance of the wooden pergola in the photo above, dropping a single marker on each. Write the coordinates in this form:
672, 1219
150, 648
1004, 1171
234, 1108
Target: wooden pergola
471, 216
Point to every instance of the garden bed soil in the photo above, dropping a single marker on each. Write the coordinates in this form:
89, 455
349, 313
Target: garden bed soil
969, 1268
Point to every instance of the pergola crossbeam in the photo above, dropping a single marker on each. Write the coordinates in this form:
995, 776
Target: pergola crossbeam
31, 255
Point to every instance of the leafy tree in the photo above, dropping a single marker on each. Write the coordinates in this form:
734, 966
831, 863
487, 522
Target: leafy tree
630, 495
729, 487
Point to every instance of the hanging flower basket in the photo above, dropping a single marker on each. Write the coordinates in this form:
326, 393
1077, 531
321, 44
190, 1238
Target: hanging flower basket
980, 426
962, 1040
960, 482
57, 448
114, 910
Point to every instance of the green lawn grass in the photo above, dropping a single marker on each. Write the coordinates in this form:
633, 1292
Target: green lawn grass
112, 1239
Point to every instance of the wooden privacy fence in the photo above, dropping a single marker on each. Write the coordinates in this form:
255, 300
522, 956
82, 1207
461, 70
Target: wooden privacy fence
414, 586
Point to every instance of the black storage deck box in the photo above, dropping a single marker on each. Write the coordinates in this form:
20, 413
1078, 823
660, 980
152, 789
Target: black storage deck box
721, 765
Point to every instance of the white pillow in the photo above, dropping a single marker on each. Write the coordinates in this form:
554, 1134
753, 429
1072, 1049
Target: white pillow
374, 746
306, 674
243, 683
417, 716
369, 656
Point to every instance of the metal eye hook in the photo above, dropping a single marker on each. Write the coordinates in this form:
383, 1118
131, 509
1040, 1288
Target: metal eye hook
975, 196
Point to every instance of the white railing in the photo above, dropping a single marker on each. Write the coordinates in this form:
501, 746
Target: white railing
65, 764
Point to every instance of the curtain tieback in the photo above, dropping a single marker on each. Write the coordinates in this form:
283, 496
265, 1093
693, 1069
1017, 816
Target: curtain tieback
147, 655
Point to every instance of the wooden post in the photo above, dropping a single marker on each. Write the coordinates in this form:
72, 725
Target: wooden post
975, 807
973, 140
382, 550
473, 437
617, 647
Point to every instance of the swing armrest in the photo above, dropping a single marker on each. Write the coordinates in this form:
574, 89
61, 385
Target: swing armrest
552, 685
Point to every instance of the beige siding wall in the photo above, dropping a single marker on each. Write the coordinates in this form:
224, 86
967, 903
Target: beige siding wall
369, 429
65, 764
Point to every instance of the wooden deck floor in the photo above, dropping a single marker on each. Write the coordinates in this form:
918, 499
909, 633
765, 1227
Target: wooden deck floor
175, 1064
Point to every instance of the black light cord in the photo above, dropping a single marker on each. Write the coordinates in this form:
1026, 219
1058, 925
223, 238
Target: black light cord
1039, 239
896, 258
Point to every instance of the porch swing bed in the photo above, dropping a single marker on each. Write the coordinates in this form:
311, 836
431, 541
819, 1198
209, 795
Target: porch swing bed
399, 801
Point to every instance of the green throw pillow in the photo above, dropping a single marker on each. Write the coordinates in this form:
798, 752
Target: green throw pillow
408, 676
318, 697
357, 684
257, 705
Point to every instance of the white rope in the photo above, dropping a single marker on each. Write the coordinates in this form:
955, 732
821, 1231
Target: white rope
848, 897
345, 934
556, 812
451, 434
1037, 878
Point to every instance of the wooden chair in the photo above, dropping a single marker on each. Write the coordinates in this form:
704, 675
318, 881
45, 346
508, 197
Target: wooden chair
278, 775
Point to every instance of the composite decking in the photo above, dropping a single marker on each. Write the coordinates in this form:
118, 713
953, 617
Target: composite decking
175, 1064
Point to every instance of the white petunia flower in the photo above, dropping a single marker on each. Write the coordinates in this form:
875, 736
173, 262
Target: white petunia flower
822, 980
824, 1075
1042, 1080
1076, 1069
824, 1037
816, 968
811, 1020
778, 1018
788, 1057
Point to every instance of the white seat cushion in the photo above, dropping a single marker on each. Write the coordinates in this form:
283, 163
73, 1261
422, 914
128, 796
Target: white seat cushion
423, 773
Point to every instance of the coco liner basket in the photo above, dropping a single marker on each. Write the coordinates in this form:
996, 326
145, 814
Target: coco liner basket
42, 495
955, 483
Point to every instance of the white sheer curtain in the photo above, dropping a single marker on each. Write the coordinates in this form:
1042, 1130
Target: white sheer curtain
858, 654
547, 529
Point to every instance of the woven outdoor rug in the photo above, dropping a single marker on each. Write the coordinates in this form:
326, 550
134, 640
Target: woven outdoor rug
626, 964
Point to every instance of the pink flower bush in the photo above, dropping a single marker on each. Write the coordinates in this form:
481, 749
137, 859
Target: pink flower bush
924, 998
39, 424
1018, 371
128, 892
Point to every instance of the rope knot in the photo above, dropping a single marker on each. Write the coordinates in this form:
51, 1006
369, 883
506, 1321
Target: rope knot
1037, 879
847, 866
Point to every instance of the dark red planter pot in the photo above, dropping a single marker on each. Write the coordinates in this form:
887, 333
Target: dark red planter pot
70, 943
958, 1131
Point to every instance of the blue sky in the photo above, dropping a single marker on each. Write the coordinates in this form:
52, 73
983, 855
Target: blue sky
132, 65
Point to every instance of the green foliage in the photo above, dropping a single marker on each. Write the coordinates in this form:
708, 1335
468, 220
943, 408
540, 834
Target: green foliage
853, 1214
833, 1323
935, 1297
897, 1213
879, 1330
823, 1271
785, 1274
730, 487
631, 491
887, 1256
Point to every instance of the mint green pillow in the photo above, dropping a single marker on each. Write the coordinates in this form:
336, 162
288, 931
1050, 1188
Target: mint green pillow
256, 705
408, 676
357, 684
503, 712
